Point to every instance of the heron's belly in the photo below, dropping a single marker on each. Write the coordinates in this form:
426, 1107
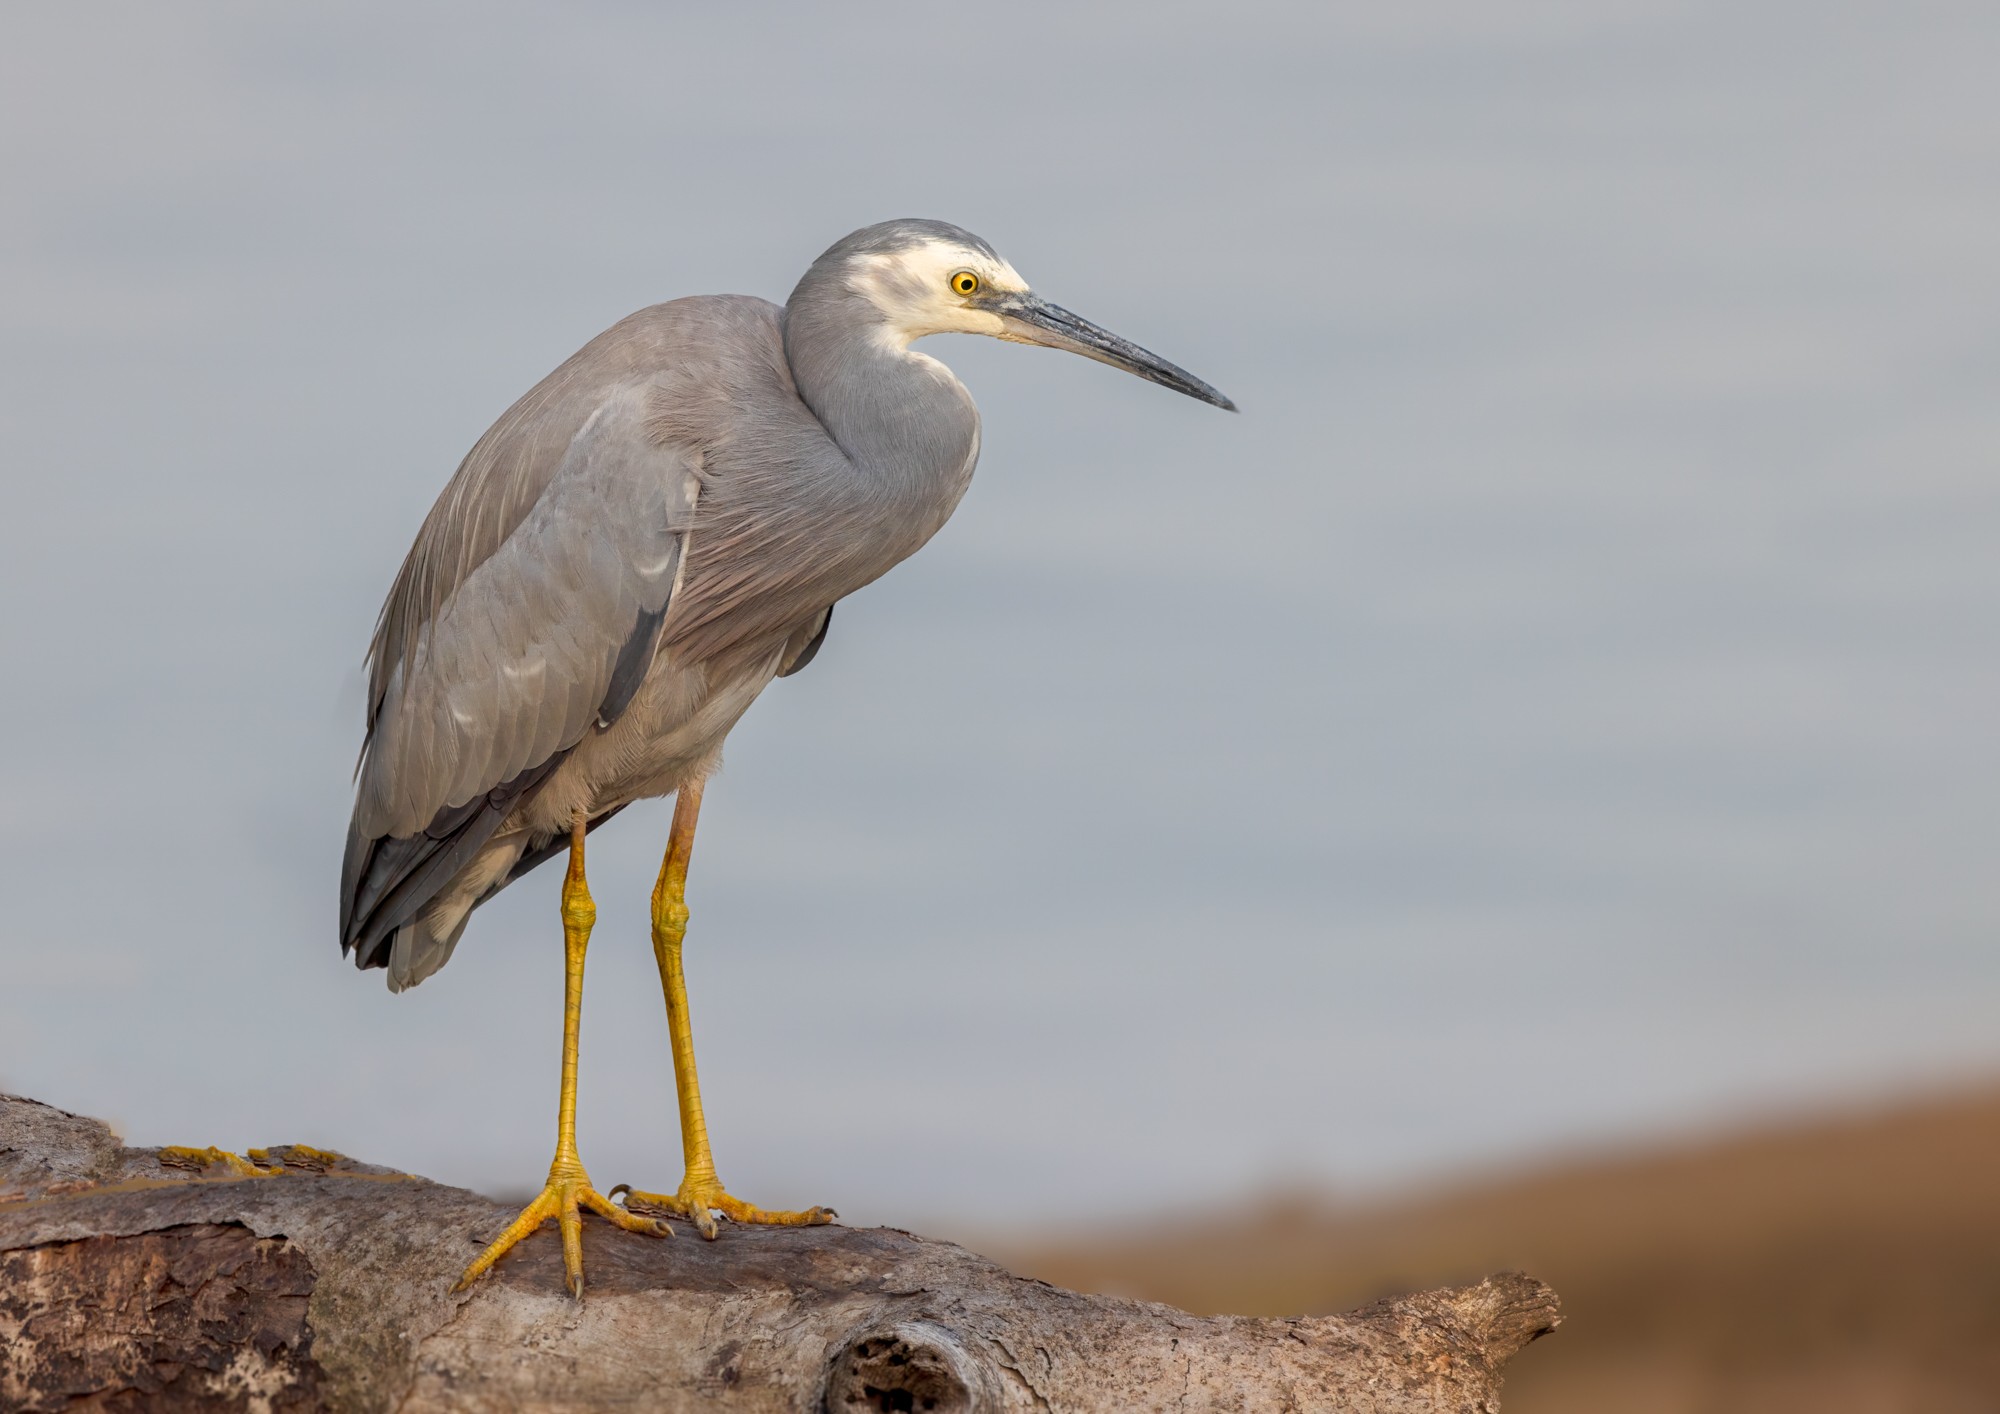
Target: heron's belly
670, 734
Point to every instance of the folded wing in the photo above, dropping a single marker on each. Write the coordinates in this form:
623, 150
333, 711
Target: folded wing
542, 641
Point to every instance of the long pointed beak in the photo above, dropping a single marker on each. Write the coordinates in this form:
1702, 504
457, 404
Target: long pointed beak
1030, 319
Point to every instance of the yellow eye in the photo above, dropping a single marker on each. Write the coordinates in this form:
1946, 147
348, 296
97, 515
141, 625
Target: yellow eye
965, 282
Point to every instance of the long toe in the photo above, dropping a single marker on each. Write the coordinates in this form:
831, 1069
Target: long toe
570, 1222
738, 1211
630, 1221
698, 1201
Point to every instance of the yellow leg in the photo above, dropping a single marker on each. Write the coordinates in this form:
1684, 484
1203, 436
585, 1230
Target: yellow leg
568, 1188
701, 1194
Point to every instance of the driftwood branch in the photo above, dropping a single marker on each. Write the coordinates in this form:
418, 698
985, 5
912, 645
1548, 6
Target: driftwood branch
126, 1284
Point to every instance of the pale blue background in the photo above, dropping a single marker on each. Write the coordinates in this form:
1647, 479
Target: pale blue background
1560, 709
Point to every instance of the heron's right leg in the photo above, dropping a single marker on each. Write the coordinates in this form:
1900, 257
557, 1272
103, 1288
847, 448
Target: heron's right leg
568, 1188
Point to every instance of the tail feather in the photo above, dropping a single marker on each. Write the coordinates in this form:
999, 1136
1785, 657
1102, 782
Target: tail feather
416, 952
387, 884
424, 944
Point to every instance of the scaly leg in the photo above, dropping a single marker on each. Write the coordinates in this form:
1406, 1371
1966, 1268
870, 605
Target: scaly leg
701, 1194
568, 1188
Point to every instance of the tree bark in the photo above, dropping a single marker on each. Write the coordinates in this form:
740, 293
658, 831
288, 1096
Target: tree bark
128, 1285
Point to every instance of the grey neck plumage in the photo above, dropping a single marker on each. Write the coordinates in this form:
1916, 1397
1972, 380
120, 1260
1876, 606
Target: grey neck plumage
901, 418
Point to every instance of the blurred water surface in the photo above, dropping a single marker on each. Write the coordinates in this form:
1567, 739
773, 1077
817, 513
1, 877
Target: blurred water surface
1559, 708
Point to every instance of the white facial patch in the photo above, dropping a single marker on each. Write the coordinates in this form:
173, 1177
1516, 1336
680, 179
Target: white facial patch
912, 288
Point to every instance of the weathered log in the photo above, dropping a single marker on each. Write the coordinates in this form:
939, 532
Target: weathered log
128, 1285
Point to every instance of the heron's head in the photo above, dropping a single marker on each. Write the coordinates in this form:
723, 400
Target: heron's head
928, 277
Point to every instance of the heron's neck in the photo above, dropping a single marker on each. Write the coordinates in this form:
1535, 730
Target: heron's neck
900, 417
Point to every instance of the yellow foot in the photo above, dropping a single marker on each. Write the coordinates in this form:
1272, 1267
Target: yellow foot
180, 1156
567, 1191
699, 1200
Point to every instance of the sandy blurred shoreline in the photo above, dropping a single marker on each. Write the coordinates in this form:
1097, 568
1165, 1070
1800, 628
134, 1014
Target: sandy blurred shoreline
1841, 1264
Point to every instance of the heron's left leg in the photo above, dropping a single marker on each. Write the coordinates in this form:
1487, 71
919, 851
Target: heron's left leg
701, 1194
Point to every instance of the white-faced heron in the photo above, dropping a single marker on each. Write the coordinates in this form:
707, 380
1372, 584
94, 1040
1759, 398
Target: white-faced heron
621, 564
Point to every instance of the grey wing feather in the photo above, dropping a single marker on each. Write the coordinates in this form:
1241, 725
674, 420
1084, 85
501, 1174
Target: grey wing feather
548, 636
523, 656
804, 645
635, 659
501, 480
